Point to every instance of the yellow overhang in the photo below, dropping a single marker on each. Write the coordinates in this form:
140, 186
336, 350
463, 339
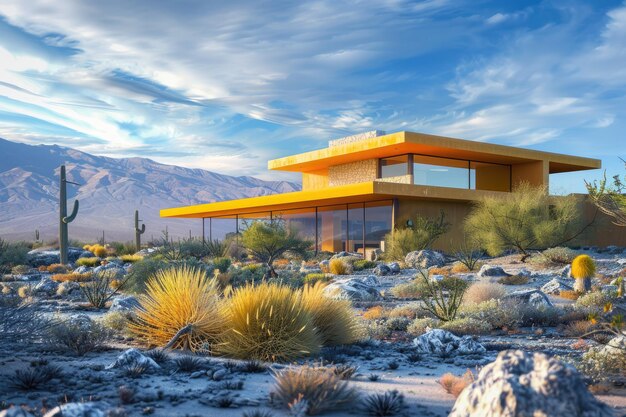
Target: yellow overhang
420, 143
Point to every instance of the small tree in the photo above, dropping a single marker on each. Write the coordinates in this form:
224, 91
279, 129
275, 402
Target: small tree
267, 241
441, 298
610, 198
418, 234
523, 220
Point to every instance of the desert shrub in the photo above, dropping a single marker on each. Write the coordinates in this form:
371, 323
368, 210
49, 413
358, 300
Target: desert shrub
610, 198
131, 258
217, 248
460, 268
268, 241
419, 326
603, 364
123, 248
334, 319
496, 314
420, 235
513, 280
583, 269
444, 270
79, 335
467, 255
338, 266
595, 299
99, 290
117, 321
442, 298
578, 328
72, 277
188, 363
453, 384
483, 291
569, 294
466, 326
12, 254
529, 315
410, 311
140, 272
384, 404
282, 263
249, 274
293, 279
32, 377
193, 248
314, 277
316, 389
374, 313
89, 262
375, 330
181, 300
222, 263
362, 264
20, 269
413, 289
56, 269
97, 249
555, 256
398, 324
268, 322
527, 218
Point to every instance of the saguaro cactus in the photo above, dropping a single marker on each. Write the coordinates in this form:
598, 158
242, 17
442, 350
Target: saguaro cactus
138, 231
64, 219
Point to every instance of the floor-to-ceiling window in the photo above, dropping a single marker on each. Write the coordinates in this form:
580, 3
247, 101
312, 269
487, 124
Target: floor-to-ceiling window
377, 223
355, 227
300, 220
331, 228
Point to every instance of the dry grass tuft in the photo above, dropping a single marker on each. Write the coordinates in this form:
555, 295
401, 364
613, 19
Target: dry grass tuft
569, 294
374, 313
514, 280
455, 384
97, 249
55, 269
317, 389
71, 277
339, 267
176, 298
131, 258
334, 319
89, 262
268, 322
483, 291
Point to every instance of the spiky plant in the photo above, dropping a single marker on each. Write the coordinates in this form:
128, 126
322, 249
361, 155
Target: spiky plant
181, 302
338, 266
268, 322
583, 269
387, 404
334, 319
319, 388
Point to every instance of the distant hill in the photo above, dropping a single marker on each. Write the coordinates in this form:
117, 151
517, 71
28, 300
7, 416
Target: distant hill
110, 191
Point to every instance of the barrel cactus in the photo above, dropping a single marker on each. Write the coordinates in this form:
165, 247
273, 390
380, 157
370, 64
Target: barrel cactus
583, 269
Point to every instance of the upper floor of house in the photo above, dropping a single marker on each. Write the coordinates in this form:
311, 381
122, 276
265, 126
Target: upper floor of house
427, 160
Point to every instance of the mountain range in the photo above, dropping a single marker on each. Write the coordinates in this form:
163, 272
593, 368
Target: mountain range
109, 191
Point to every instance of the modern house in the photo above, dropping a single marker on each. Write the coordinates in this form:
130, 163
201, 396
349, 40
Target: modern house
358, 188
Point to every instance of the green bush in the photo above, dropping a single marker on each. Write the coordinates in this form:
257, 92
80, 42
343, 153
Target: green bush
418, 326
527, 218
595, 299
466, 326
555, 256
413, 289
123, 248
420, 235
314, 277
12, 254
362, 264
222, 263
140, 272
249, 274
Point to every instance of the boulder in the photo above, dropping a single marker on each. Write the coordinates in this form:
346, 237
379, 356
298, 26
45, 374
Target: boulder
15, 412
525, 384
370, 280
424, 259
394, 267
69, 288
48, 257
355, 289
382, 270
344, 254
88, 409
440, 341
82, 269
310, 269
133, 357
492, 271
533, 297
555, 286
46, 286
124, 304
115, 270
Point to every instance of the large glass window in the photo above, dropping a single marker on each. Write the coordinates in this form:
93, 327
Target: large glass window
331, 223
221, 228
394, 166
440, 172
355, 227
301, 220
245, 220
377, 223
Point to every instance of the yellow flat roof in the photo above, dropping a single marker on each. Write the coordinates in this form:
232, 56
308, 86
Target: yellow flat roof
420, 143
361, 192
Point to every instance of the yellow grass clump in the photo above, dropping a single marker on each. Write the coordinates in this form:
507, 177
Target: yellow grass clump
90, 262
484, 291
71, 277
338, 266
334, 319
268, 322
55, 268
131, 258
97, 249
374, 313
176, 298
455, 384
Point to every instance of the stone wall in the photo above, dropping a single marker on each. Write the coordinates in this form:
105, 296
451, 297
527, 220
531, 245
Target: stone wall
353, 172
400, 179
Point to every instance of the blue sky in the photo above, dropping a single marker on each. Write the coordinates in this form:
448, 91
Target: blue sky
226, 86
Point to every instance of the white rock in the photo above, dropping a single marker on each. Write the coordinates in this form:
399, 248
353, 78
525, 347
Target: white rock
124, 304
89, 409
524, 384
424, 259
394, 267
555, 286
439, 341
15, 412
491, 271
353, 289
46, 286
532, 297
133, 357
